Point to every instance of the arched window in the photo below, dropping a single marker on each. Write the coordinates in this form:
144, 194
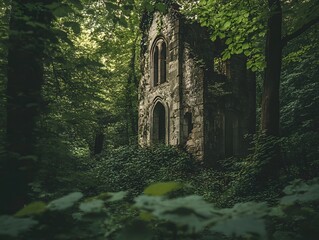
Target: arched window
163, 62
159, 124
159, 62
155, 64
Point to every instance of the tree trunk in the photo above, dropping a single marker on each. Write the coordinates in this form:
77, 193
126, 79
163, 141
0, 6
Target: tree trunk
132, 85
251, 82
98, 143
270, 110
270, 98
24, 100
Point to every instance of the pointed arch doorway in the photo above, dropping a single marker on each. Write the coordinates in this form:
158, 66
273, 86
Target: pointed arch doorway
159, 128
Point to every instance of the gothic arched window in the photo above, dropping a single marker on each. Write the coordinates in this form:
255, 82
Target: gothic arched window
159, 124
159, 57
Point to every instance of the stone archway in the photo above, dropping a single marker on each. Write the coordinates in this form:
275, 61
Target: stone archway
159, 124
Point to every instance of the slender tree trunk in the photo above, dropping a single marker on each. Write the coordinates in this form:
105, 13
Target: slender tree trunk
25, 79
251, 76
103, 119
98, 143
132, 85
270, 110
270, 99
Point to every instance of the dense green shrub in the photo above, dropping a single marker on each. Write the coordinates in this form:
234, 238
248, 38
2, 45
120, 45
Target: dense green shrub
234, 188
301, 154
132, 168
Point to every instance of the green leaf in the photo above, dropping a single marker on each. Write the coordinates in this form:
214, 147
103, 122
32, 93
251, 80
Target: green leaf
36, 24
191, 211
213, 38
161, 7
112, 196
300, 191
241, 226
242, 219
92, 206
225, 56
297, 186
162, 188
62, 10
149, 7
53, 5
34, 208
146, 216
76, 27
245, 46
239, 51
122, 21
77, 4
247, 53
116, 196
63, 36
311, 195
12, 226
226, 25
65, 202
222, 35
228, 41
90, 11
111, 6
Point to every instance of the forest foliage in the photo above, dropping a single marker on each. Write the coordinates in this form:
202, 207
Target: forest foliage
86, 178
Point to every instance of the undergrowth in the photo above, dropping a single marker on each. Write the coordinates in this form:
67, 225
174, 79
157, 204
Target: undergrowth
163, 193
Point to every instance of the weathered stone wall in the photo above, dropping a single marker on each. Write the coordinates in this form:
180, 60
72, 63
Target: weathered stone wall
229, 117
193, 103
183, 93
167, 93
197, 61
208, 125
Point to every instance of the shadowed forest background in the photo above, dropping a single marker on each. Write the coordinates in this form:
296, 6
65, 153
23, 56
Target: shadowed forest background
71, 167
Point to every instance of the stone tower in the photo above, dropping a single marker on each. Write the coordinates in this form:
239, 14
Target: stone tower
180, 98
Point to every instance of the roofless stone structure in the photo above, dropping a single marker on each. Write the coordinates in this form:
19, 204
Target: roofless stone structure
181, 101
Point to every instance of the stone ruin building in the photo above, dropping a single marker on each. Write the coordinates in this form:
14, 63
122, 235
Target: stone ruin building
188, 97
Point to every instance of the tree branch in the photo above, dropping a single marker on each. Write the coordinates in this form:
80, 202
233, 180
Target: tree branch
298, 32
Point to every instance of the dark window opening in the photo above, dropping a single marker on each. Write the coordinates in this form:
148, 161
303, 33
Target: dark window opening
188, 125
163, 63
155, 64
159, 124
159, 62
